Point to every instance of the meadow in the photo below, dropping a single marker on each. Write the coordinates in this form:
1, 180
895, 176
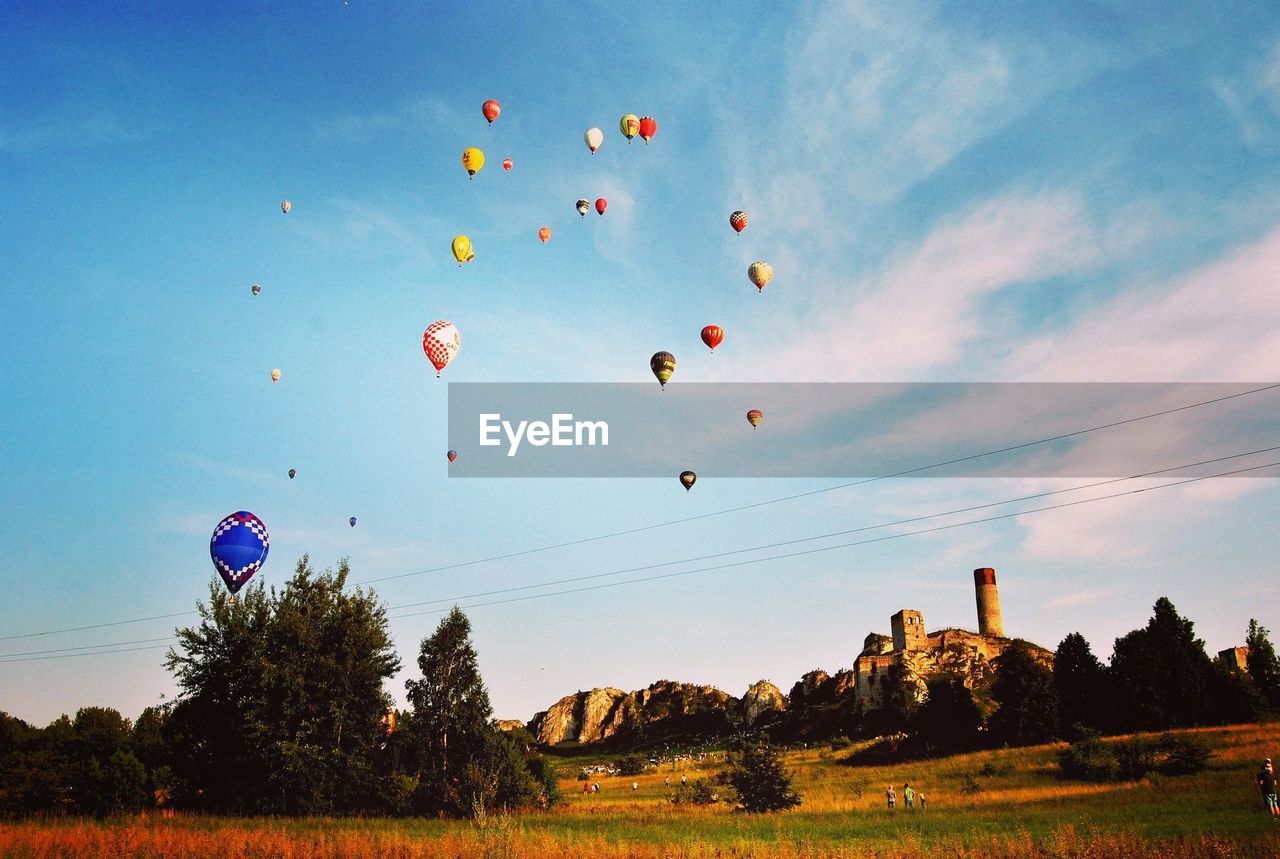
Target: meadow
1003, 803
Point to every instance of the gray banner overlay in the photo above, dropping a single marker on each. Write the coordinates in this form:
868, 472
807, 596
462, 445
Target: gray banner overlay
861, 430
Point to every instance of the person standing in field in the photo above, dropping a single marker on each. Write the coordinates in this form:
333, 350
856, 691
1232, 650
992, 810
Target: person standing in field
922, 800
683, 779
586, 787
635, 785
891, 797
1267, 784
908, 795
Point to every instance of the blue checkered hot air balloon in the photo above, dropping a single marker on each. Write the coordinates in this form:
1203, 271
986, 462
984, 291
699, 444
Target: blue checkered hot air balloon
239, 548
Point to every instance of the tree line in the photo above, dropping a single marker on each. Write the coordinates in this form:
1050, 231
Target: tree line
282, 711
1158, 678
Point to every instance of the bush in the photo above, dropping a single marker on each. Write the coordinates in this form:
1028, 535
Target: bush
1091, 759
1181, 756
696, 792
761, 782
1087, 759
971, 785
1134, 758
631, 765
840, 742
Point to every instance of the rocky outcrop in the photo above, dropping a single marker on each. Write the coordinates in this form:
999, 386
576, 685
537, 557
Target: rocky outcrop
761, 698
580, 717
508, 724
664, 707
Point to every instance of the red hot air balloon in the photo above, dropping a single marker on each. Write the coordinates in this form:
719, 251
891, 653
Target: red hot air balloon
738, 220
648, 128
453, 454
507, 164
601, 205
545, 234
754, 417
491, 110
712, 335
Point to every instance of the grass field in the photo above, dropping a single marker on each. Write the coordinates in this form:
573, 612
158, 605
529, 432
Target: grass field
1021, 809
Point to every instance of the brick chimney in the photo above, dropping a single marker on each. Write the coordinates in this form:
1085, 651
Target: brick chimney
984, 586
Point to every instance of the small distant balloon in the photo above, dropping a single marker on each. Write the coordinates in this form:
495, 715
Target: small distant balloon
545, 234
754, 417
352, 520
760, 273
462, 250
472, 160
256, 289
441, 342
275, 375
738, 220
629, 125
663, 364
583, 206
712, 335
687, 479
285, 206
601, 205
293, 472
239, 548
648, 128
594, 138
491, 109
507, 164
453, 454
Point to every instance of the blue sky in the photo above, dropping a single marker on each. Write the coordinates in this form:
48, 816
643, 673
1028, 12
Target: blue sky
1086, 192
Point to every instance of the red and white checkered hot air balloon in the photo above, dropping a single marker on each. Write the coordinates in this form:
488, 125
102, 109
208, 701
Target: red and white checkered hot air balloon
441, 341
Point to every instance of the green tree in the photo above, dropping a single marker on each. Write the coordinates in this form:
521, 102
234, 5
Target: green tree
1262, 665
1023, 691
760, 780
1166, 676
282, 698
1080, 685
949, 718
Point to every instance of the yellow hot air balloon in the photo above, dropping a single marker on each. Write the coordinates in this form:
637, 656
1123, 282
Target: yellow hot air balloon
629, 125
462, 251
760, 273
275, 375
473, 160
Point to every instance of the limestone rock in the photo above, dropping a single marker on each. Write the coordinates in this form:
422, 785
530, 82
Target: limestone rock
762, 697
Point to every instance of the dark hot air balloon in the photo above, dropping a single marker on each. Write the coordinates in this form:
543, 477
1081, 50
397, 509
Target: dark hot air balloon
453, 454
663, 364
293, 472
352, 520
687, 479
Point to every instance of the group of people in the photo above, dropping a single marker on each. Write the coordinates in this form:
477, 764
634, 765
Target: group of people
909, 797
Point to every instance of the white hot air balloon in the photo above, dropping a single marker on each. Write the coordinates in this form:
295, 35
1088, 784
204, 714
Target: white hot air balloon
285, 206
594, 138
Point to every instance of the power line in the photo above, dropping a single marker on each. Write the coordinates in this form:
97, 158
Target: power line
835, 533
8, 657
87, 647
842, 545
700, 516
73, 655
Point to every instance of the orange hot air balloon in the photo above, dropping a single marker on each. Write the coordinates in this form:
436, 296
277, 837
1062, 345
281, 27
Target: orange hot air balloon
712, 335
601, 205
545, 234
507, 164
754, 417
648, 128
738, 220
491, 109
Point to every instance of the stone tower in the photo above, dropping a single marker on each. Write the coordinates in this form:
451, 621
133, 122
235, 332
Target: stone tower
908, 630
984, 586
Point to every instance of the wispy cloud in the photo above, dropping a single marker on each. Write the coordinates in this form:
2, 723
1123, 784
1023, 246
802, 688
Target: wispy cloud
1253, 99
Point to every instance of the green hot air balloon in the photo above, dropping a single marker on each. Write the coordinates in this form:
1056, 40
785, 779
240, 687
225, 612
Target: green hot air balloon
663, 364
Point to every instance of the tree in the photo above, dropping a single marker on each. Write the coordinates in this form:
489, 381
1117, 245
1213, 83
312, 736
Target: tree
1262, 665
1080, 685
1166, 676
282, 698
949, 718
760, 780
1027, 704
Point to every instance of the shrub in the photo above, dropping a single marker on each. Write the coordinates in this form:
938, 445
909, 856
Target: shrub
1134, 758
1087, 759
971, 785
697, 792
761, 782
1091, 759
1181, 756
630, 765
840, 742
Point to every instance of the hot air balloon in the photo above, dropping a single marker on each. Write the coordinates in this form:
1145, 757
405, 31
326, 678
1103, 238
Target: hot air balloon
760, 273
738, 220
594, 138
754, 417
285, 206
462, 251
441, 341
507, 164
687, 479
293, 472
275, 375
473, 160
352, 520
239, 548
583, 206
491, 109
648, 128
712, 335
256, 289
544, 233
601, 205
663, 364
453, 454
629, 125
